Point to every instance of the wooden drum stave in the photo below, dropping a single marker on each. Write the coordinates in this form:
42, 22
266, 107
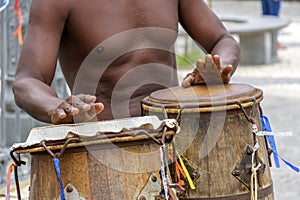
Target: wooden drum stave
216, 134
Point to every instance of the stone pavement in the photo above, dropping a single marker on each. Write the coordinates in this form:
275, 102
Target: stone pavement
281, 85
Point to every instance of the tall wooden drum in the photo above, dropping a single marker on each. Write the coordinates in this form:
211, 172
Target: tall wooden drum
217, 139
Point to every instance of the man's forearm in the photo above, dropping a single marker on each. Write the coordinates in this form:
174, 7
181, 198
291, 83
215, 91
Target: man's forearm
36, 98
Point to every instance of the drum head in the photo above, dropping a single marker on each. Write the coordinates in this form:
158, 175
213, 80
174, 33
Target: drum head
204, 96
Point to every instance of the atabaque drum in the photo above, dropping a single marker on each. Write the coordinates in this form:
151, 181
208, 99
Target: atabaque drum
115, 159
218, 139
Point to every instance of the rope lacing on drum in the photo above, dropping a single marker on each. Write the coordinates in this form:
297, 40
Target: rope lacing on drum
18, 163
254, 174
9, 171
56, 162
249, 118
254, 184
256, 165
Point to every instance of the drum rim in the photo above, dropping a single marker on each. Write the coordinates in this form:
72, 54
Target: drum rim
117, 139
149, 104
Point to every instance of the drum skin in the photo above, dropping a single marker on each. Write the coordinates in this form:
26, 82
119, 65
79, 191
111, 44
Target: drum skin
214, 134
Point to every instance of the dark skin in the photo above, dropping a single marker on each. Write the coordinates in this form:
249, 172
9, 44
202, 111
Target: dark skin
79, 33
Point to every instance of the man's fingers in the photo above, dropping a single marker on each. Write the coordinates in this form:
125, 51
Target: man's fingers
99, 107
226, 73
81, 101
200, 65
87, 98
61, 114
188, 81
209, 63
74, 108
208, 58
65, 108
95, 109
210, 71
77, 102
69, 109
216, 59
227, 70
57, 115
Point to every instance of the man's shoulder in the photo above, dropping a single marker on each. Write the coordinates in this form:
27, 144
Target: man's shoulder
54, 7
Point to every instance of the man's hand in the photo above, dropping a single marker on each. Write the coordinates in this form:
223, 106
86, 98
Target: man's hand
76, 108
209, 72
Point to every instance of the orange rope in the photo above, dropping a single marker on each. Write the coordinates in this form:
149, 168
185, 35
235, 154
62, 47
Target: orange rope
10, 169
18, 31
178, 171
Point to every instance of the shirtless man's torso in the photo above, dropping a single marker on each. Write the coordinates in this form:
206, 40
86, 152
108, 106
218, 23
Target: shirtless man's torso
116, 50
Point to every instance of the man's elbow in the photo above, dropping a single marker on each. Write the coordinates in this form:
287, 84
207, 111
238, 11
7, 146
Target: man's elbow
18, 89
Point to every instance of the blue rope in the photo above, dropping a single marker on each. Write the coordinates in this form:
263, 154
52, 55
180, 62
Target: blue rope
57, 169
271, 140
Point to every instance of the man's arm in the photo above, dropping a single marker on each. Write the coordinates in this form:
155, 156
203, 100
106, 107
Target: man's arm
37, 63
209, 32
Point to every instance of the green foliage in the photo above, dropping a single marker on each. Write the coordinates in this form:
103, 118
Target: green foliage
190, 59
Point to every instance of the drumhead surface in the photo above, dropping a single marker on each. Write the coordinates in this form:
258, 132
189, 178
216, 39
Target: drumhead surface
213, 97
203, 93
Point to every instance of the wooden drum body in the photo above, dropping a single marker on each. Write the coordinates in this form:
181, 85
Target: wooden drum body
114, 164
216, 137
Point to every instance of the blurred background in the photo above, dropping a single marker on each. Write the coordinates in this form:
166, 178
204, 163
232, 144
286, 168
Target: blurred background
270, 50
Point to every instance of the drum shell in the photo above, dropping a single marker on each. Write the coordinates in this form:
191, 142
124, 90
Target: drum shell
216, 158
88, 170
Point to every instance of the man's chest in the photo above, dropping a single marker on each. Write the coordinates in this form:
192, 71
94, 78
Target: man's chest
122, 24
109, 17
